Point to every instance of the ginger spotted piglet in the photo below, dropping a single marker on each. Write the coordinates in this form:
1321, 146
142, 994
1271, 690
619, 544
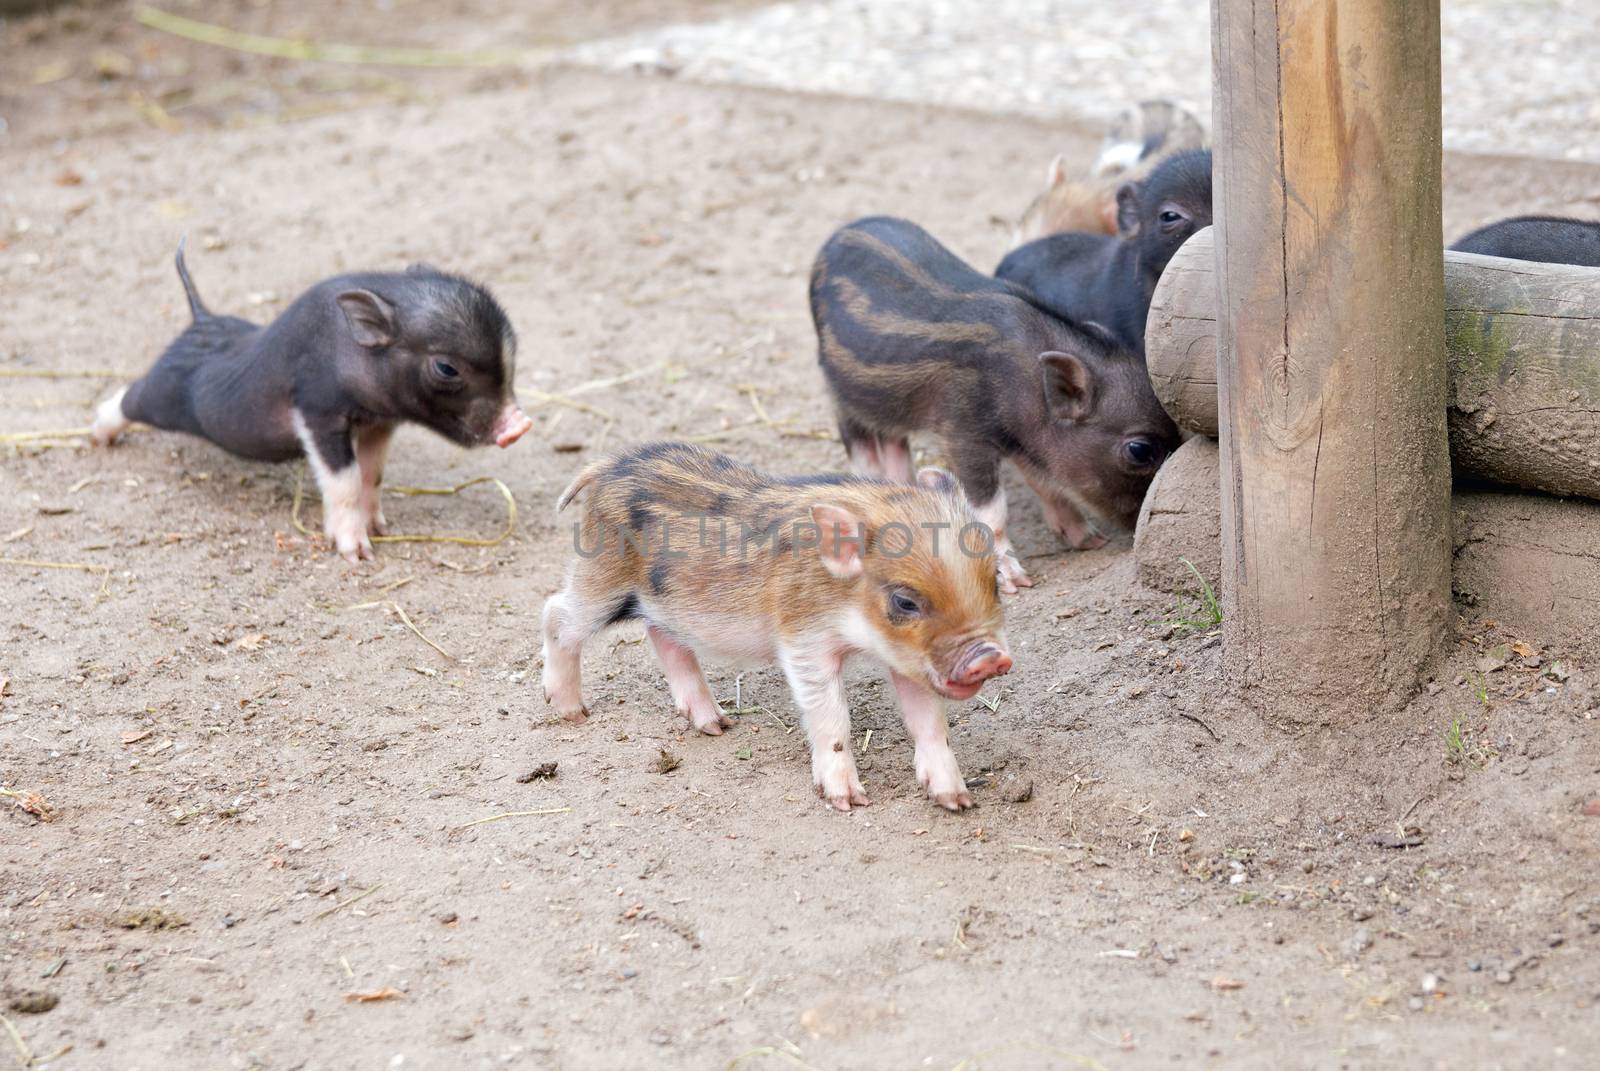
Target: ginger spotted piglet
725, 561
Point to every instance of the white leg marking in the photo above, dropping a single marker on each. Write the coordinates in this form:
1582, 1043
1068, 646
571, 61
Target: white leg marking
690, 693
342, 518
819, 691
993, 514
937, 769
109, 422
563, 658
372, 446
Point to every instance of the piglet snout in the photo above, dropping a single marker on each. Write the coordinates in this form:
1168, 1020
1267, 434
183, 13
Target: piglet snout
511, 425
982, 662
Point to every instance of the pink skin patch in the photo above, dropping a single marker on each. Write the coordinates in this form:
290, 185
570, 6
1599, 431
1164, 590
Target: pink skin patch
1068, 522
975, 667
511, 425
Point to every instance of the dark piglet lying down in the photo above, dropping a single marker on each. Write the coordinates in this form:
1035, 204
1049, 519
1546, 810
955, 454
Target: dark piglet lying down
1108, 279
1548, 239
331, 378
911, 339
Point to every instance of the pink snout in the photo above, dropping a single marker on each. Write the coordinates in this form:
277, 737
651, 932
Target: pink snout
511, 425
983, 662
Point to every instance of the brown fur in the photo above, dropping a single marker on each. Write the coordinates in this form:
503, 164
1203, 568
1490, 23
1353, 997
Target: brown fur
776, 577
719, 558
1156, 128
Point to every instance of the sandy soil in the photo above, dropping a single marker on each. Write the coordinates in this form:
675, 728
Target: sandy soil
263, 783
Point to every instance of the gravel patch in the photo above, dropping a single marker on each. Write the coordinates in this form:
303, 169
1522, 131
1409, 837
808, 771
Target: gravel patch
1515, 78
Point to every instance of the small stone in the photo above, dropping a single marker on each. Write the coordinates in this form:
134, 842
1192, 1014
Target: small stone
1361, 941
1592, 809
630, 972
33, 1002
1361, 914
1474, 965
660, 1037
1307, 867
1415, 1003
1503, 977
448, 918
542, 772
1430, 983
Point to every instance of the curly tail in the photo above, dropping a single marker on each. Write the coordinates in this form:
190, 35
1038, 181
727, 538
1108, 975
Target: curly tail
197, 308
582, 480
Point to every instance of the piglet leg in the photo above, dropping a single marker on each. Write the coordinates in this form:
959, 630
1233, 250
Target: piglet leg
690, 693
819, 692
564, 634
937, 770
332, 461
372, 446
993, 513
895, 457
109, 421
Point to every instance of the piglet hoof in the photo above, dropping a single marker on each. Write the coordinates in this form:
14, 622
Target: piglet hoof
713, 722
941, 777
1011, 574
358, 552
377, 526
576, 717
843, 792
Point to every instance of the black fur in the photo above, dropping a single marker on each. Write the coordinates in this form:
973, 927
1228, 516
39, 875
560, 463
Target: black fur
1109, 279
1548, 239
913, 338
237, 383
626, 610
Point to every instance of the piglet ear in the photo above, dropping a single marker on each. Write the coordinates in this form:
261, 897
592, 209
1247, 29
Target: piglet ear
1057, 173
1108, 216
938, 480
1068, 385
1128, 209
841, 539
371, 318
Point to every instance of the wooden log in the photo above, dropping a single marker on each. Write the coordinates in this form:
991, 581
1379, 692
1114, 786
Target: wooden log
1524, 363
1335, 461
1181, 521
1529, 562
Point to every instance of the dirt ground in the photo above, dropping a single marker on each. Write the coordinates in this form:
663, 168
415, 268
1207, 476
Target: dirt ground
263, 783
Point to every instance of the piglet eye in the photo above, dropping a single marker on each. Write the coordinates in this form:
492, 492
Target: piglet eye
904, 604
1140, 452
1169, 218
445, 370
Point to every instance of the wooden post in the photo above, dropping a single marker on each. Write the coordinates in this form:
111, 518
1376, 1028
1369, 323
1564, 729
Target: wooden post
1331, 371
1521, 343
